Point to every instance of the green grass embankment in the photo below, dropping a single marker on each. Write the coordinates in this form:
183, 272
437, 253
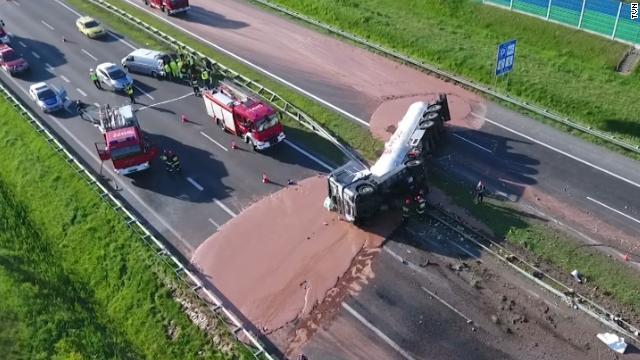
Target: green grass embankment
565, 70
75, 281
549, 243
348, 132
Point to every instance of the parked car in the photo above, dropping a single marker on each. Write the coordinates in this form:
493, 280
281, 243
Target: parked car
48, 99
11, 61
145, 61
90, 27
113, 76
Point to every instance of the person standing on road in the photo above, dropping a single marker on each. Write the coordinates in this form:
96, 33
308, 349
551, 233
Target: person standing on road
421, 203
204, 75
94, 77
167, 71
174, 69
406, 210
480, 192
131, 95
194, 84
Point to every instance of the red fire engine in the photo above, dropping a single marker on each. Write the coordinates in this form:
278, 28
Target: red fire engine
254, 121
124, 141
171, 7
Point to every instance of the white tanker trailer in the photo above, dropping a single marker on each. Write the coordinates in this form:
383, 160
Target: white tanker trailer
358, 192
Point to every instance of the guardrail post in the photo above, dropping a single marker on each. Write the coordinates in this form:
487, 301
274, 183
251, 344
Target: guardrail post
549, 10
615, 26
584, 2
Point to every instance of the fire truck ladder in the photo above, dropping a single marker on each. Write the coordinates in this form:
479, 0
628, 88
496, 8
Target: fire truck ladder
110, 118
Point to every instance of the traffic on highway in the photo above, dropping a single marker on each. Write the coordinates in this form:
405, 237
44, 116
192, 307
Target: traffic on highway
320, 257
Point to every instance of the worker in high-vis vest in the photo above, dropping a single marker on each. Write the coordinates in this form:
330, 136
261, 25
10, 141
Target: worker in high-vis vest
180, 68
174, 69
131, 95
204, 76
94, 77
168, 75
194, 84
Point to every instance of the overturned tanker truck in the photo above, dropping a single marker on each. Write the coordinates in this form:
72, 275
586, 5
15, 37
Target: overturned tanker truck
358, 192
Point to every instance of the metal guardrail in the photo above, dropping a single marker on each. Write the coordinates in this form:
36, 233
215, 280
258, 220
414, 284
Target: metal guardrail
163, 252
280, 103
459, 80
555, 287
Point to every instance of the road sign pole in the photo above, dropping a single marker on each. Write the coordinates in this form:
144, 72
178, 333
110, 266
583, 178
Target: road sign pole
506, 88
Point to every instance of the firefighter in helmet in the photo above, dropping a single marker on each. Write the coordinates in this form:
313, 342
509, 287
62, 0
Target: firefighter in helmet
406, 209
421, 203
171, 160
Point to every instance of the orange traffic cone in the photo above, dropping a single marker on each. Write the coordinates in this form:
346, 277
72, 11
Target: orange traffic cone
625, 257
265, 179
233, 145
183, 119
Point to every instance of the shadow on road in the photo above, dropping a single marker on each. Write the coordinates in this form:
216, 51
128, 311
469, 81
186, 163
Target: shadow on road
203, 16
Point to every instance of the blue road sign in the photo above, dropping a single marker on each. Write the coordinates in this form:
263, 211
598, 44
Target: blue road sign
506, 57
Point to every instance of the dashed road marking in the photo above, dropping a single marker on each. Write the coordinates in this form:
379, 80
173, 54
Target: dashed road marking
81, 92
35, 54
47, 25
225, 208
195, 183
614, 210
22, 44
214, 223
472, 143
215, 142
96, 104
377, 331
65, 79
89, 54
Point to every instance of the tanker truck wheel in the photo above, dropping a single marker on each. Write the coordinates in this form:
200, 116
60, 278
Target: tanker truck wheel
365, 189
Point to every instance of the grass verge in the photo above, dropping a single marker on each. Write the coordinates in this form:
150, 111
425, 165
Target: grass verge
566, 70
356, 136
548, 243
76, 282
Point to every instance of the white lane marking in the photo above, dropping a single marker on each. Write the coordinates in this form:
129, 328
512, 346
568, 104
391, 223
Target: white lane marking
122, 41
214, 223
165, 102
89, 54
559, 151
35, 54
49, 67
215, 142
467, 319
65, 79
92, 154
22, 44
16, 3
55, 88
225, 208
144, 92
68, 8
614, 210
195, 183
307, 154
324, 102
47, 25
96, 104
380, 334
472, 143
81, 92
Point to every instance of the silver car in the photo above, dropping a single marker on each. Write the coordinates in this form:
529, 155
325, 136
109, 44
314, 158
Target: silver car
113, 76
48, 99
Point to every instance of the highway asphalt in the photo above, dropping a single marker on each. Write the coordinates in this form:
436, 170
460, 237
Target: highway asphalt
354, 82
217, 181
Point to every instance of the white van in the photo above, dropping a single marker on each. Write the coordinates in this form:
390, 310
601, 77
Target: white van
145, 61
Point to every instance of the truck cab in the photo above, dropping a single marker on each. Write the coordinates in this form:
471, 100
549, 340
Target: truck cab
171, 7
257, 123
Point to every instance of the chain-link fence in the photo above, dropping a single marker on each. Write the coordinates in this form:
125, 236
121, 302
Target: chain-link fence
609, 18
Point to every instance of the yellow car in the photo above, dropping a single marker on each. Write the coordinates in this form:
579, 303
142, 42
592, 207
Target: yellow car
90, 27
